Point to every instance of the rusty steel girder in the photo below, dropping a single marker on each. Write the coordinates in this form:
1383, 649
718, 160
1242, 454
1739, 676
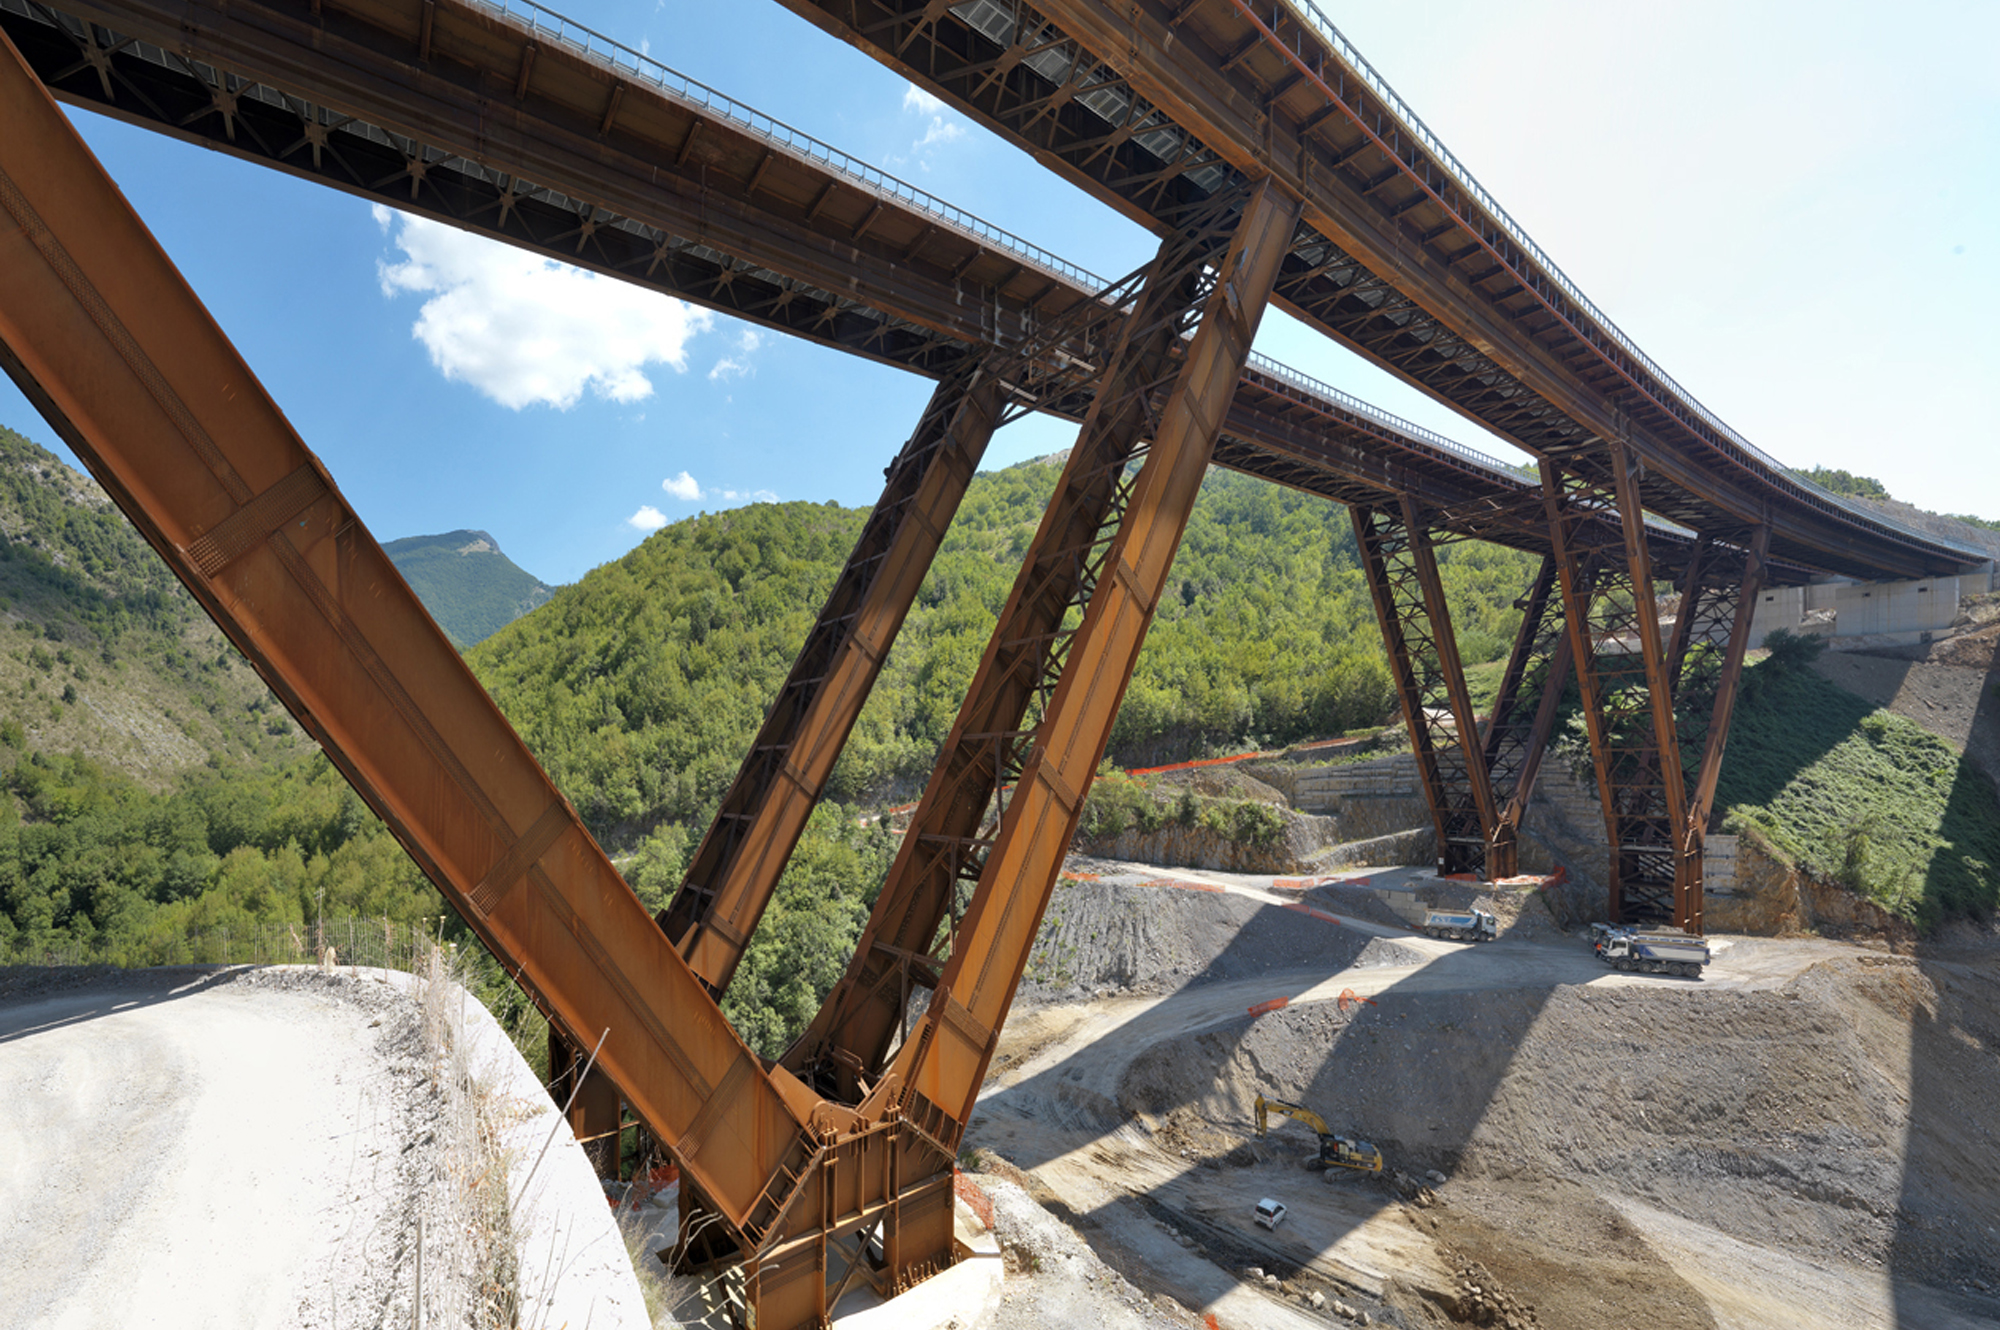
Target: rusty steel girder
945, 849
737, 864
118, 354
1403, 258
1709, 668
1400, 563
1621, 670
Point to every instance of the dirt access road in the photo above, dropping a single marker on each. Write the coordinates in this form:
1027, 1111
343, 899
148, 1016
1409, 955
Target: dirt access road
1130, 1116
139, 1113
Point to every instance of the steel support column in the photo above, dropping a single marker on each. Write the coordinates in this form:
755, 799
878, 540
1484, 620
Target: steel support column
1704, 698
594, 1105
737, 865
937, 1073
944, 849
1620, 661
1524, 713
1401, 565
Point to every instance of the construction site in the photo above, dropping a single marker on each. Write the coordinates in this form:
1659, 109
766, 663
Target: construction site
1493, 1022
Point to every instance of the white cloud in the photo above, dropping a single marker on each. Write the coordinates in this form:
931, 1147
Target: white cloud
942, 129
730, 367
524, 330
685, 488
648, 518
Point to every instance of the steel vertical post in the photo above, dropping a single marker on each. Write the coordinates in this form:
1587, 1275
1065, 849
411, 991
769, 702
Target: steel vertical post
940, 1069
738, 863
945, 845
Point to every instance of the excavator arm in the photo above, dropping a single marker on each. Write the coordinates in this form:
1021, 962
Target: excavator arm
1297, 1112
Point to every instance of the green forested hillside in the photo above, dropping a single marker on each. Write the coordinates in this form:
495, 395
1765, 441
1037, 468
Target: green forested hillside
641, 685
468, 585
640, 688
101, 650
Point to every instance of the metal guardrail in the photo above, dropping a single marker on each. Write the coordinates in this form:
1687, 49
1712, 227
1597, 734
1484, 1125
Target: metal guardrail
592, 45
1413, 123
1263, 364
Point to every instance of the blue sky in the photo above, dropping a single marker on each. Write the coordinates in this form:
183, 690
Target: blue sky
1791, 207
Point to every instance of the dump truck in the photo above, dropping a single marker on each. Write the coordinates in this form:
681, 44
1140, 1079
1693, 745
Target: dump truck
1657, 951
1458, 925
1334, 1151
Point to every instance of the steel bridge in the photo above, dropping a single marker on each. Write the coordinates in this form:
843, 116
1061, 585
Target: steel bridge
1274, 166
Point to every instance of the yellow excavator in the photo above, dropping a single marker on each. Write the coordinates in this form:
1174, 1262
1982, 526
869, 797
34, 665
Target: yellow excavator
1337, 1151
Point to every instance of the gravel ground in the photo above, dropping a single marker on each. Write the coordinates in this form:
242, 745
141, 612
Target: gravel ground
1116, 935
1609, 1149
1054, 1278
217, 1147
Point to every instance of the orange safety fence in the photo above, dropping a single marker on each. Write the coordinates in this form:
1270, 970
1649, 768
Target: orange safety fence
1208, 1322
1349, 998
1535, 880
1273, 1004
1184, 886
974, 1197
1245, 757
1317, 914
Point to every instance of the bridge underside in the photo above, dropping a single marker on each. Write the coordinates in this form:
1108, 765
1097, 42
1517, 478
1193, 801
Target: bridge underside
834, 1163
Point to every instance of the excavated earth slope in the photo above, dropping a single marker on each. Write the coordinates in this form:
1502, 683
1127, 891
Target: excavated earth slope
1806, 1138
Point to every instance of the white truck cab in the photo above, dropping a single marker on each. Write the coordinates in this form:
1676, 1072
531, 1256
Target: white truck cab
1270, 1213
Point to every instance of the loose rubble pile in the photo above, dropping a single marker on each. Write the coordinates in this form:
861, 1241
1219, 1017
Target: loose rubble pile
1481, 1301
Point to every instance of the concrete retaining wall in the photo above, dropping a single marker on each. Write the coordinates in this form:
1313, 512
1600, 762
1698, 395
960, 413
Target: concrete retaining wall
1871, 609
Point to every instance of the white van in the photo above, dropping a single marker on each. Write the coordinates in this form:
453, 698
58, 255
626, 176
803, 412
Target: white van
1270, 1213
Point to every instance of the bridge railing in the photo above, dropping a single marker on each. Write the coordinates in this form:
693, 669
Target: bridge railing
1414, 124
594, 45
1263, 364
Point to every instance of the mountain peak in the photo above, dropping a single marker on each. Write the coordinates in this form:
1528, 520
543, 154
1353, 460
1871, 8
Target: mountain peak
470, 587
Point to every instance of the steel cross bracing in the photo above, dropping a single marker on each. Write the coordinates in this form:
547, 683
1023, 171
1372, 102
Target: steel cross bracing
1400, 562
725, 152
1403, 258
876, 1175
1524, 714
1656, 703
737, 865
785, 207
945, 849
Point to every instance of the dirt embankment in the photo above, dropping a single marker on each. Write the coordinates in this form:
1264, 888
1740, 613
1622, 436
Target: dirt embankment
1846, 1116
1100, 937
1950, 687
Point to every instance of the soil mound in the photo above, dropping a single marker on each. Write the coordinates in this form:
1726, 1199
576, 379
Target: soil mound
1152, 939
1803, 1117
